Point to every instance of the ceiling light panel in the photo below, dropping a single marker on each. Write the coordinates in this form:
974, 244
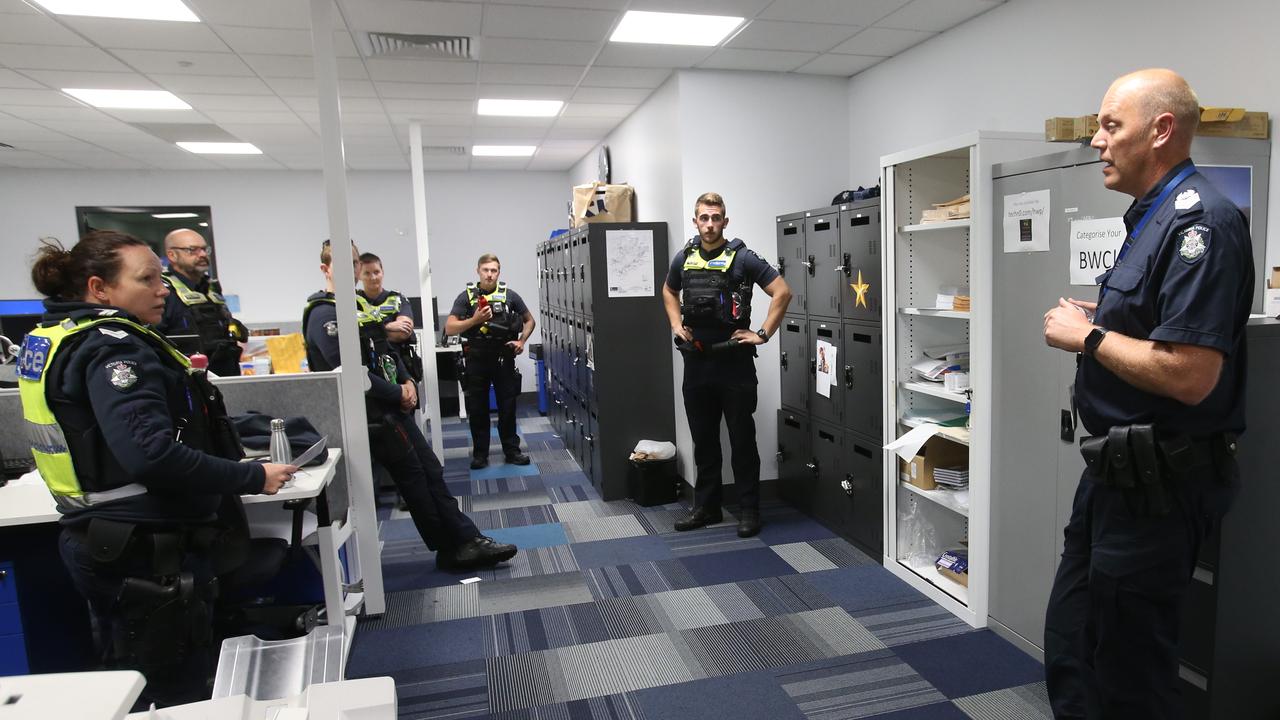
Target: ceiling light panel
658, 28
172, 10
131, 99
503, 150
519, 108
219, 148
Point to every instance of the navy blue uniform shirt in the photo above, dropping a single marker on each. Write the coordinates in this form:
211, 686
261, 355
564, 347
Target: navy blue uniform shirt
1188, 278
321, 335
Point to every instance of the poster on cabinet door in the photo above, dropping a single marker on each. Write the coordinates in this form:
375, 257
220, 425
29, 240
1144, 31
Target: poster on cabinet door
1026, 222
629, 262
825, 365
1094, 246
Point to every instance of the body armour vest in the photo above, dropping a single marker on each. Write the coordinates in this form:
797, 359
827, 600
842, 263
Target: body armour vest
709, 297
505, 325
213, 320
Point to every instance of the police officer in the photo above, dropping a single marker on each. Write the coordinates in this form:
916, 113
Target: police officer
395, 441
1160, 390
708, 301
495, 323
138, 453
393, 309
195, 305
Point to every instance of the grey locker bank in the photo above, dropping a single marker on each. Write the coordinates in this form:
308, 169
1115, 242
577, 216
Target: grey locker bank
1230, 644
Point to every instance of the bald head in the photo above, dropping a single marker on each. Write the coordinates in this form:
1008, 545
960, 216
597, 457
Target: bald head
187, 252
182, 237
1157, 91
1145, 126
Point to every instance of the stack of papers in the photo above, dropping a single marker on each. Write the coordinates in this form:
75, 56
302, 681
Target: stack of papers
956, 209
960, 302
955, 478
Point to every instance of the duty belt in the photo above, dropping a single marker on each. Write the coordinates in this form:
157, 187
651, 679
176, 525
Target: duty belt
1133, 459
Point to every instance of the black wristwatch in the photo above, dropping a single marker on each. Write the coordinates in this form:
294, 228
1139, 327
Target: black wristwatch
764, 336
1093, 340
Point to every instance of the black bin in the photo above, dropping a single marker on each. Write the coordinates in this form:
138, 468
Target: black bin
653, 482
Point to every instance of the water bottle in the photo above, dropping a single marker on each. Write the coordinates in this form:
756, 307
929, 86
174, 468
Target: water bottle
199, 361
281, 453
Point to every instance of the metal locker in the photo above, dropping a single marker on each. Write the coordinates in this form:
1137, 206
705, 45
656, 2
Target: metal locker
794, 263
553, 273
828, 499
588, 361
793, 355
860, 374
584, 276
831, 406
573, 291
862, 491
578, 372
822, 243
860, 287
795, 474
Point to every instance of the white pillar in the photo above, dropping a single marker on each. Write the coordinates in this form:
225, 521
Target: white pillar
353, 377
431, 374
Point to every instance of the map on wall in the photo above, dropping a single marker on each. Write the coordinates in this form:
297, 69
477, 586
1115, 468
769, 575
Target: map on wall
629, 262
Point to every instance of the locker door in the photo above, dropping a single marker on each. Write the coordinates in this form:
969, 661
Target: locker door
542, 278
553, 273
828, 497
862, 488
584, 274
593, 449
795, 478
822, 242
588, 362
860, 263
574, 292
579, 371
860, 376
794, 360
794, 262
830, 407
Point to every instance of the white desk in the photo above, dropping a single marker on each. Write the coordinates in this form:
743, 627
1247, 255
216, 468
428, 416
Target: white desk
89, 695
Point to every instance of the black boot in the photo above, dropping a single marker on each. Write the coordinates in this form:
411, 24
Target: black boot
748, 523
479, 552
479, 461
700, 517
517, 458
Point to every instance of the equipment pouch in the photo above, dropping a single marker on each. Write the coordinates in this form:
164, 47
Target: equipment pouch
1146, 468
1120, 469
108, 539
1094, 452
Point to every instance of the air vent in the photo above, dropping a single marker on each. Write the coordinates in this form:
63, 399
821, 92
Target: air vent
439, 150
455, 47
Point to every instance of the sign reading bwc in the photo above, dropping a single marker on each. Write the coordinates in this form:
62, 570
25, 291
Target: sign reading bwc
1094, 246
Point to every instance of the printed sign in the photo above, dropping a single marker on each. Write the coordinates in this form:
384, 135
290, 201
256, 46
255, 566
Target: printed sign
1094, 246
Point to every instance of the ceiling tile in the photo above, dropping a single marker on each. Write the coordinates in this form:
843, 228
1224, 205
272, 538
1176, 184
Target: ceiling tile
17, 7
66, 112
841, 65
433, 120
806, 37
185, 63
589, 122
767, 60
584, 4
276, 41
885, 42
546, 52
937, 15
33, 161
294, 14
306, 87
158, 116
246, 162
530, 74
147, 34
254, 103
524, 92
37, 29
862, 12
428, 107
648, 78
273, 134
349, 105
737, 8
211, 84
11, 79
424, 71
490, 121
664, 56
508, 135
560, 132
81, 79
50, 57
446, 162
631, 96
13, 96
413, 16
518, 21
426, 91
573, 110
263, 118
75, 128
301, 66
498, 163
551, 164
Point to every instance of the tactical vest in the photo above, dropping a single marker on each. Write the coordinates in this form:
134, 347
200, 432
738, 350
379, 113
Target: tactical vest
505, 325
214, 324
384, 311
77, 474
375, 350
708, 296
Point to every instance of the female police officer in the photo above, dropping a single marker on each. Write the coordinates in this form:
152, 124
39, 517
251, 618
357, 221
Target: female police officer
128, 438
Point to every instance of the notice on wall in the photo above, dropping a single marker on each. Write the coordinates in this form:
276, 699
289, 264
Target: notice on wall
1094, 246
1026, 222
629, 262
825, 364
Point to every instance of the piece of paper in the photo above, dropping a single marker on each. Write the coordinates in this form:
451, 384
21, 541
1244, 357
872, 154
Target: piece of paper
908, 446
1094, 245
1026, 222
825, 365
470, 580
629, 262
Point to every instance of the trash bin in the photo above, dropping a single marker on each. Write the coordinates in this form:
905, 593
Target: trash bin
653, 482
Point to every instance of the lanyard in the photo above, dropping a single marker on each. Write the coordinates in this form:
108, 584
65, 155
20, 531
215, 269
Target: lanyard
1146, 217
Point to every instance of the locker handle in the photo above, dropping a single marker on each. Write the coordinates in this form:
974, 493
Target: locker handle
864, 452
812, 465
589, 438
809, 264
782, 266
782, 359
848, 376
790, 230
847, 484
859, 220
780, 455
813, 367
824, 225
846, 267
582, 272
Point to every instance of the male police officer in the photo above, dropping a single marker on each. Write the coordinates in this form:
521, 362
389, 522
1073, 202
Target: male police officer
710, 284
495, 323
195, 305
393, 309
1160, 388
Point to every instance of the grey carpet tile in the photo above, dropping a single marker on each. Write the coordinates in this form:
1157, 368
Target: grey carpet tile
502, 501
415, 607
606, 528
638, 578
856, 687
818, 555
459, 690
576, 492
495, 486
911, 622
562, 465
538, 561
1027, 702
589, 509
548, 455
454, 453
714, 539
528, 593
513, 517
624, 706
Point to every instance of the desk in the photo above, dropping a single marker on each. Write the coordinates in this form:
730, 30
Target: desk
89, 695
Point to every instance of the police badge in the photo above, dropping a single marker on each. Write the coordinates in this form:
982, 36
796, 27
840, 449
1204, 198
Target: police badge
121, 374
1192, 242
331, 328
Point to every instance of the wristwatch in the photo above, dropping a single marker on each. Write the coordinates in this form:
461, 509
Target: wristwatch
1093, 340
764, 336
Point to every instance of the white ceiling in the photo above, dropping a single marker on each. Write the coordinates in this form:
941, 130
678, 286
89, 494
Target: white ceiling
246, 70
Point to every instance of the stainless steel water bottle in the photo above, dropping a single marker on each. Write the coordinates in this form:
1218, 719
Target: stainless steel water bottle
280, 451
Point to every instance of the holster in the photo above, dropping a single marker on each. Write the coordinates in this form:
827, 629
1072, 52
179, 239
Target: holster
1132, 459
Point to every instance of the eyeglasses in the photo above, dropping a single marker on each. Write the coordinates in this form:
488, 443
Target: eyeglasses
195, 249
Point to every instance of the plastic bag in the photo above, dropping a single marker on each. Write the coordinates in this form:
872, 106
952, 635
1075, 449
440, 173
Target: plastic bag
653, 450
917, 539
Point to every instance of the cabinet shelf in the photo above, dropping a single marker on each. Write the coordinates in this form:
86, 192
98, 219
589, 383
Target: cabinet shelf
957, 435
930, 574
945, 498
929, 227
935, 312
935, 390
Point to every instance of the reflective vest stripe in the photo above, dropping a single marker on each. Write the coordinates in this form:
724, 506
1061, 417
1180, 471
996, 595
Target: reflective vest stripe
499, 294
693, 261
194, 297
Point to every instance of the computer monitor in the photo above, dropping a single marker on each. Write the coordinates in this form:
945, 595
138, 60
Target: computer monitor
415, 301
19, 317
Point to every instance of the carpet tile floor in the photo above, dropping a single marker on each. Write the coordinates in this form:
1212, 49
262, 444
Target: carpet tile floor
607, 613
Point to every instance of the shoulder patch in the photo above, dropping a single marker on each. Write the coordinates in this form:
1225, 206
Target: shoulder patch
1186, 199
121, 374
331, 328
117, 334
1193, 241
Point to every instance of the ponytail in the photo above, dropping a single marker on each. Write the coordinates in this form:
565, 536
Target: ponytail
64, 274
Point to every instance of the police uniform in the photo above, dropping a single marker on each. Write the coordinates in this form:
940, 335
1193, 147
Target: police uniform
490, 361
1160, 473
395, 441
198, 308
715, 300
388, 306
138, 453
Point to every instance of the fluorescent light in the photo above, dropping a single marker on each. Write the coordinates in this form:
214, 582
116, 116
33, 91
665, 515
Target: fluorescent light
519, 108
220, 148
172, 216
127, 9
132, 99
661, 28
503, 150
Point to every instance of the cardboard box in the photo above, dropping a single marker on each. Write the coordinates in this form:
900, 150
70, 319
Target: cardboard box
1070, 129
1275, 278
936, 452
1217, 114
1252, 125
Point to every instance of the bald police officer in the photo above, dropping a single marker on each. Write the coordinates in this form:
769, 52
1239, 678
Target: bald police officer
195, 305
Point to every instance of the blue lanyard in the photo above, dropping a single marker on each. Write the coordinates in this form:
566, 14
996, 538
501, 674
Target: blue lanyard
1132, 240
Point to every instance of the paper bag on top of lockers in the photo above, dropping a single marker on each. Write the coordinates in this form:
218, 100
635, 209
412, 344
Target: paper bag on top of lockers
599, 202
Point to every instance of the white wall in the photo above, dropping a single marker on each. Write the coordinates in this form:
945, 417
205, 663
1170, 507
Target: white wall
1027, 60
269, 225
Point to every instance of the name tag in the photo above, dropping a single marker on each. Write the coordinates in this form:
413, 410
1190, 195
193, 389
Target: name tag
717, 263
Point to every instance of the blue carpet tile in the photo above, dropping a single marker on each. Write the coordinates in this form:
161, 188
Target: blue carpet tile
608, 613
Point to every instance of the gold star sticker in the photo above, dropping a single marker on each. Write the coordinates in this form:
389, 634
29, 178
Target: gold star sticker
861, 289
